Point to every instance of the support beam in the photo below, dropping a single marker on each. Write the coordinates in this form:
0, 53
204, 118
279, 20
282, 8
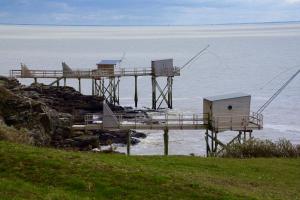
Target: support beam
153, 92
93, 87
35, 80
128, 142
170, 91
65, 82
79, 85
166, 141
57, 83
135, 91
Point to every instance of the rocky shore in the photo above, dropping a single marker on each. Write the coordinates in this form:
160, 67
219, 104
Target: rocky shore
48, 112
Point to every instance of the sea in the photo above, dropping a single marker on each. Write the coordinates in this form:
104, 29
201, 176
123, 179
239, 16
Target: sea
252, 58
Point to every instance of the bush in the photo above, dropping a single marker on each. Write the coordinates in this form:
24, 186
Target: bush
13, 135
262, 148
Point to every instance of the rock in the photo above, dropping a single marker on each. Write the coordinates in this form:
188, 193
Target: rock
138, 134
85, 142
48, 112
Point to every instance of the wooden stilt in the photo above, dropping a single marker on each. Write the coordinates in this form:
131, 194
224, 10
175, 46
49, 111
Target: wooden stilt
35, 80
153, 92
166, 141
57, 83
79, 85
135, 92
93, 87
128, 142
65, 82
207, 143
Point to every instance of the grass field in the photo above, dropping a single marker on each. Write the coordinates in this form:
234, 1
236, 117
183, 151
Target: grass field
28, 172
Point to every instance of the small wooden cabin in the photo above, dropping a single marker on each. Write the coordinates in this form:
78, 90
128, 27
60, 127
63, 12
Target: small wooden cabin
230, 111
107, 67
162, 67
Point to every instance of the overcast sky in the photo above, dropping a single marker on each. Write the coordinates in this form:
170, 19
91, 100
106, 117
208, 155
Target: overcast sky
147, 12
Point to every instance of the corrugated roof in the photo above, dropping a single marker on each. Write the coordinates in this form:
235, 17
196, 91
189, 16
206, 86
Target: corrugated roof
109, 62
227, 96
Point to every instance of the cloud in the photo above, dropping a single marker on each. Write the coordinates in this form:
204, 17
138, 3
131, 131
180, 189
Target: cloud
147, 12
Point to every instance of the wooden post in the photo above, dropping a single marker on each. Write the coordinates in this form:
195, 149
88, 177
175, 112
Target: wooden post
35, 80
65, 82
79, 84
128, 142
93, 87
207, 143
57, 83
166, 141
118, 90
114, 91
153, 92
212, 142
135, 91
170, 82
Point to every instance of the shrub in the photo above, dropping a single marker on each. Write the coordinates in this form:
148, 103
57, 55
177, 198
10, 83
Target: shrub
13, 135
262, 148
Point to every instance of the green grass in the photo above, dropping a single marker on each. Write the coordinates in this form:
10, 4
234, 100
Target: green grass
28, 172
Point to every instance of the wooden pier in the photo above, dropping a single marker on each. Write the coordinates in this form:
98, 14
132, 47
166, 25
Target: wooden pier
106, 79
221, 113
168, 121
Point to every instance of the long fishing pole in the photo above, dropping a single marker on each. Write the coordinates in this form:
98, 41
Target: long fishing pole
194, 57
263, 107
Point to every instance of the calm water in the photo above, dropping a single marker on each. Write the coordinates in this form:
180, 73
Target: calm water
241, 58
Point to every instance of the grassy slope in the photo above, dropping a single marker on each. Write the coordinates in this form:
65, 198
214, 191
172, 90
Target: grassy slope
39, 173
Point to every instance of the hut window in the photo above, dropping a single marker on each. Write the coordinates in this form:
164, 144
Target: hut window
229, 107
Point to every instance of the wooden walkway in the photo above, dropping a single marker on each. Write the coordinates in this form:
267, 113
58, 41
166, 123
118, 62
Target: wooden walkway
174, 122
84, 74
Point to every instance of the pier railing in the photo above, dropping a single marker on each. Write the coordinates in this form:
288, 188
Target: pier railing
237, 122
117, 72
180, 121
154, 121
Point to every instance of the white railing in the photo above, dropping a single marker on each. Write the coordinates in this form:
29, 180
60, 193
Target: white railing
237, 122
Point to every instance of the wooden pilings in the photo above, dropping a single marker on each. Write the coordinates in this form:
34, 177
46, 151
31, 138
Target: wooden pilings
165, 93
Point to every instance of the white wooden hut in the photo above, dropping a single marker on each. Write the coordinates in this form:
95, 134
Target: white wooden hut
228, 112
